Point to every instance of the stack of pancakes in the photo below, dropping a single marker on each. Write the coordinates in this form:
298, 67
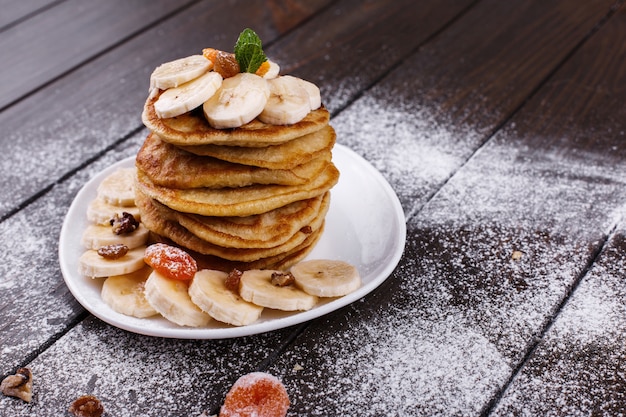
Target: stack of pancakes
252, 197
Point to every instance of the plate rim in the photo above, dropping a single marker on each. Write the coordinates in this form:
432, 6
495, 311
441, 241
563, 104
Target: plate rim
227, 332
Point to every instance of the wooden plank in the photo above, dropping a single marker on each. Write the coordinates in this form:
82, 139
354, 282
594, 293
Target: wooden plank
351, 45
578, 367
49, 44
15, 10
492, 255
448, 99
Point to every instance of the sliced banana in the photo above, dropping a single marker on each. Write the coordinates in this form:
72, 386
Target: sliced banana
174, 73
273, 70
207, 291
256, 287
95, 266
326, 278
288, 102
96, 236
100, 212
188, 96
315, 97
118, 188
170, 297
238, 101
125, 294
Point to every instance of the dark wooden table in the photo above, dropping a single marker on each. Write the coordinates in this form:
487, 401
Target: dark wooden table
501, 126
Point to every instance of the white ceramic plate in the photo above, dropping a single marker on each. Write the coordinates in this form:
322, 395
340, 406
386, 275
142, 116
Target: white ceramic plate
365, 226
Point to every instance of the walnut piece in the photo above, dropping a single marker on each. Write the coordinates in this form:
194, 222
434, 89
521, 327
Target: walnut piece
19, 385
126, 223
115, 251
232, 280
86, 406
282, 279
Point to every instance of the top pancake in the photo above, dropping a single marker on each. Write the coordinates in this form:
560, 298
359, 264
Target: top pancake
192, 129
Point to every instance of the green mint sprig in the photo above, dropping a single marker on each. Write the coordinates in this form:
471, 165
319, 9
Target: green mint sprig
249, 51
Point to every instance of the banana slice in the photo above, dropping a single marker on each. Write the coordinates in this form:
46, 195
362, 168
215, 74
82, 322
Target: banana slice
100, 212
256, 287
174, 73
238, 101
118, 188
315, 97
207, 291
95, 266
288, 102
170, 297
125, 294
188, 96
326, 278
96, 236
273, 70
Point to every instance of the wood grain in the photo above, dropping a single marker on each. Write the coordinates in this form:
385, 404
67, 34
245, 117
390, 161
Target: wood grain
48, 45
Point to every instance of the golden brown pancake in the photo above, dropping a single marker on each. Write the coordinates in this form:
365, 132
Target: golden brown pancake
169, 166
192, 129
159, 219
244, 201
258, 231
279, 262
287, 155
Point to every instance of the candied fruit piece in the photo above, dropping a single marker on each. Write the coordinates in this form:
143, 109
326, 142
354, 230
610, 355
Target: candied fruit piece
265, 66
170, 261
256, 394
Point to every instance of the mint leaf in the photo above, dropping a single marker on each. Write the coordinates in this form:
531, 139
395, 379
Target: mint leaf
249, 51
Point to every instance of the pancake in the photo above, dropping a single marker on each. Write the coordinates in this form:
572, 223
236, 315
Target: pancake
244, 201
258, 231
192, 129
280, 262
169, 166
159, 219
284, 156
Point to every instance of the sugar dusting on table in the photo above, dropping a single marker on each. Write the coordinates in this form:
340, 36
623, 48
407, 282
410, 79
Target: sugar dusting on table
495, 251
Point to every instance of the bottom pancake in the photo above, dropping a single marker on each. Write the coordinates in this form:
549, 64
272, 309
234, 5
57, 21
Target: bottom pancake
280, 262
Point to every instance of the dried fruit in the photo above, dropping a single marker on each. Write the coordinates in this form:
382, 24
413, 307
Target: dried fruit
210, 54
256, 394
19, 385
265, 66
87, 406
232, 280
170, 261
113, 251
126, 223
282, 279
226, 64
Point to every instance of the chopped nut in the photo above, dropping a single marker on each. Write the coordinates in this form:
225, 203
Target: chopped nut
307, 230
19, 385
113, 251
86, 406
232, 280
126, 223
517, 255
282, 279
